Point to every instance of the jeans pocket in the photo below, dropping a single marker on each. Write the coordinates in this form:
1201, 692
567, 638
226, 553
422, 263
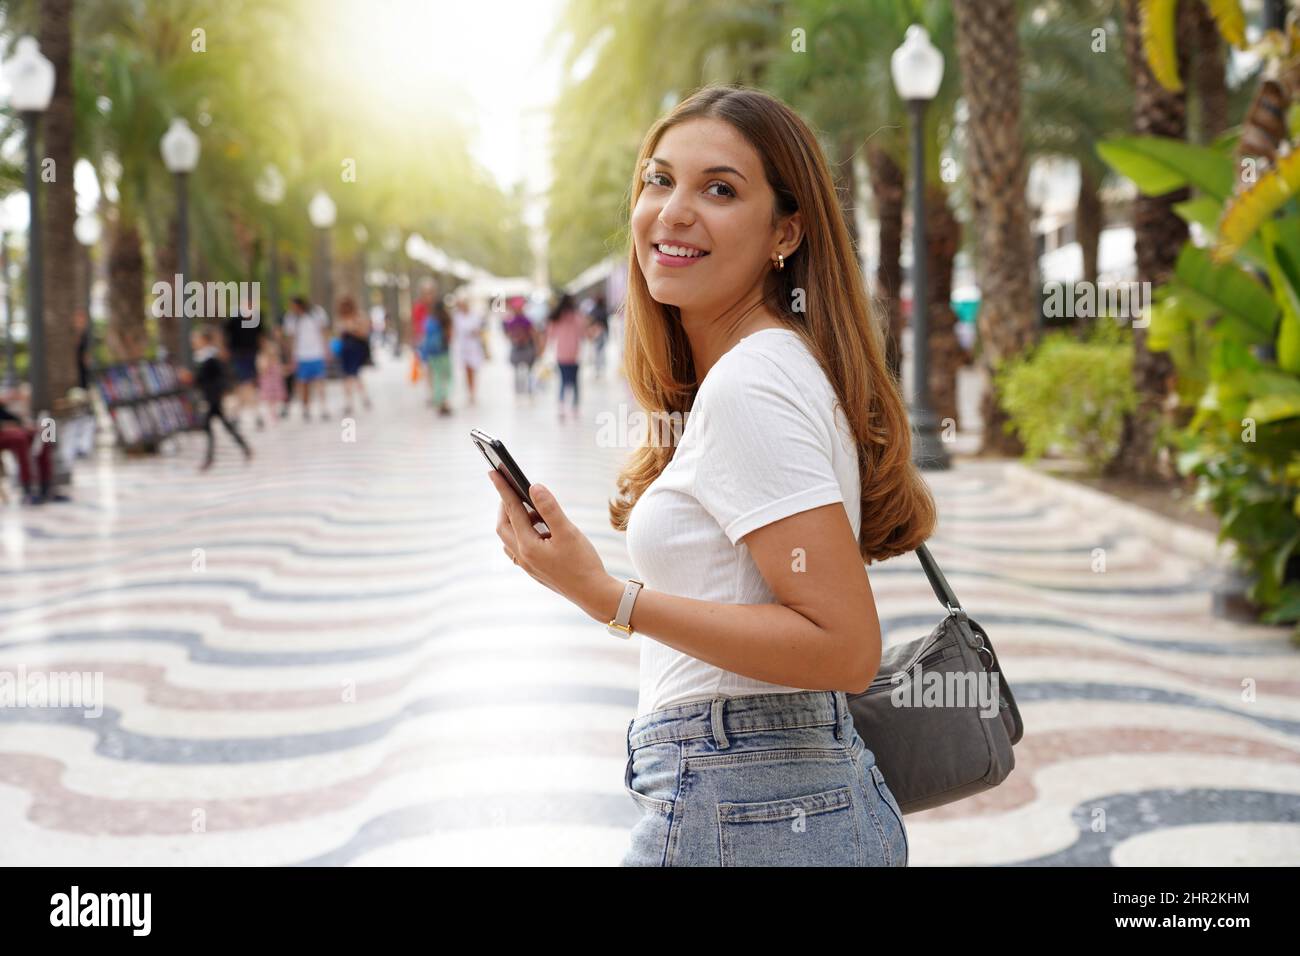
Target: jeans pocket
812, 830
650, 804
887, 798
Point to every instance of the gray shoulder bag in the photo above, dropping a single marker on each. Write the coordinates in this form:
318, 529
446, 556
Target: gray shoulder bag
939, 715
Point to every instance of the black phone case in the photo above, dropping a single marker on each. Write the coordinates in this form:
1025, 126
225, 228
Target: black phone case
513, 474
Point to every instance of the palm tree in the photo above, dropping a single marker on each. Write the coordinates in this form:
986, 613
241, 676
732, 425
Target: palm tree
844, 86
988, 50
59, 213
1159, 237
1073, 99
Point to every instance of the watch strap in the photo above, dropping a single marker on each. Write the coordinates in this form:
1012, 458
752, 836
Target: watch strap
619, 625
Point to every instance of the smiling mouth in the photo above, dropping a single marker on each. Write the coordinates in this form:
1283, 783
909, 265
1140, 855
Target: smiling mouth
678, 252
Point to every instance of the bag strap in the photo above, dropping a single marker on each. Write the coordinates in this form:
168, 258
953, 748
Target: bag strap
937, 581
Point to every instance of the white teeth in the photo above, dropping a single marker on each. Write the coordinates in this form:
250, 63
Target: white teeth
680, 251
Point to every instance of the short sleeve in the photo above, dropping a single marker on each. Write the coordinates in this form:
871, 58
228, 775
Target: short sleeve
764, 449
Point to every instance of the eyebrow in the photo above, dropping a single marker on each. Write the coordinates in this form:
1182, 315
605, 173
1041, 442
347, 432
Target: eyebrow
711, 169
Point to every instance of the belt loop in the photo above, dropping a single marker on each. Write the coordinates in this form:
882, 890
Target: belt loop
839, 717
715, 723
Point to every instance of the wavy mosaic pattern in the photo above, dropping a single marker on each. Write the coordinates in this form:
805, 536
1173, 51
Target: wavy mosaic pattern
324, 658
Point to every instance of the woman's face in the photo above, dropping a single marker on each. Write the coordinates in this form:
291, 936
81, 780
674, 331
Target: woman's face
705, 194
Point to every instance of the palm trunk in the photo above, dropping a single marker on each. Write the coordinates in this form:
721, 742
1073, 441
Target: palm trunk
1159, 237
943, 240
128, 336
988, 50
1209, 77
59, 244
887, 188
1088, 223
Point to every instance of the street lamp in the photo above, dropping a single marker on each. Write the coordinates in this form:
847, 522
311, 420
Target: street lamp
391, 242
270, 189
180, 153
87, 230
917, 69
322, 213
31, 85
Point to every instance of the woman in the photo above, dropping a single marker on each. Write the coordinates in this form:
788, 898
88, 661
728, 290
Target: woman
564, 332
468, 326
354, 351
523, 337
434, 347
747, 314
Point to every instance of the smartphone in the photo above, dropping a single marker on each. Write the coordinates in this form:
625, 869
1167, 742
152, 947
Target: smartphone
494, 450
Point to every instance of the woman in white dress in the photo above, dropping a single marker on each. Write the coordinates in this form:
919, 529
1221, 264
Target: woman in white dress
467, 329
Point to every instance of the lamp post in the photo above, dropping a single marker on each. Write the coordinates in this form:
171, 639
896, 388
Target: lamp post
180, 153
270, 189
362, 235
31, 85
322, 213
392, 241
917, 69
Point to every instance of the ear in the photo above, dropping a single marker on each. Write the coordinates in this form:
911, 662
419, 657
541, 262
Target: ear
790, 234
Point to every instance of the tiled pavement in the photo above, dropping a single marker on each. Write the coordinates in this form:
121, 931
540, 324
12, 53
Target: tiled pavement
350, 671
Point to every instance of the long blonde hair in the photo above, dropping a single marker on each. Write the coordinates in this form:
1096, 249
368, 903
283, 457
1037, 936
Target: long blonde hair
897, 509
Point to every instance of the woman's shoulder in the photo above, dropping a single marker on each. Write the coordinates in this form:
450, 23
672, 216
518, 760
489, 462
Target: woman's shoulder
767, 359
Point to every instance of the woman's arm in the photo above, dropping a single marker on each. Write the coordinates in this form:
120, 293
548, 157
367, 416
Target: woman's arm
823, 632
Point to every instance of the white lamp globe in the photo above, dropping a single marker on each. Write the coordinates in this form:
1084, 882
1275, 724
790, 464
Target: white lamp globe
31, 77
180, 147
321, 210
917, 66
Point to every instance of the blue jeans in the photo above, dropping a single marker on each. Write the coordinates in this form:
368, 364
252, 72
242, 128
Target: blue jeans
759, 780
569, 380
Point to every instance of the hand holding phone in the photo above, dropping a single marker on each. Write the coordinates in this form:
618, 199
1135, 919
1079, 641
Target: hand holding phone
494, 450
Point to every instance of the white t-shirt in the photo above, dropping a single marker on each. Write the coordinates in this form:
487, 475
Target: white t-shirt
763, 440
308, 331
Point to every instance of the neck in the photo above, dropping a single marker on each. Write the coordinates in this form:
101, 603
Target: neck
712, 333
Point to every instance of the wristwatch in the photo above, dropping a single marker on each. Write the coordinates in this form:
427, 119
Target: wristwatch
619, 626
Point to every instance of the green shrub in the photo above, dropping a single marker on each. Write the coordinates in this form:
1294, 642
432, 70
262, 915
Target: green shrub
1071, 395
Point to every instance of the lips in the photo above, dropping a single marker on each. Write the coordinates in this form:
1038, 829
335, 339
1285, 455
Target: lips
674, 254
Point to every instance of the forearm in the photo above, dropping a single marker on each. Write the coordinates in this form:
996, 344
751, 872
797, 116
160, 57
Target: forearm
768, 642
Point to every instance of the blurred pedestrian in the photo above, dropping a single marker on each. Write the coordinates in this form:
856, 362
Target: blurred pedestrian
523, 337
434, 348
270, 374
564, 332
307, 326
243, 340
468, 326
354, 351
211, 378
81, 324
27, 445
599, 332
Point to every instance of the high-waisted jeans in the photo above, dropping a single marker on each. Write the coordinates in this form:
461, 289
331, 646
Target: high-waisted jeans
759, 780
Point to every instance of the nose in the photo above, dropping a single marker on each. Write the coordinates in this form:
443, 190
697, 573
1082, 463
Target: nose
676, 211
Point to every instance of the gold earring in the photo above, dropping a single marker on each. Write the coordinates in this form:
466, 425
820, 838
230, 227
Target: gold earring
780, 261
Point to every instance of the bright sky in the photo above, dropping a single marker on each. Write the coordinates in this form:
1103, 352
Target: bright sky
491, 48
